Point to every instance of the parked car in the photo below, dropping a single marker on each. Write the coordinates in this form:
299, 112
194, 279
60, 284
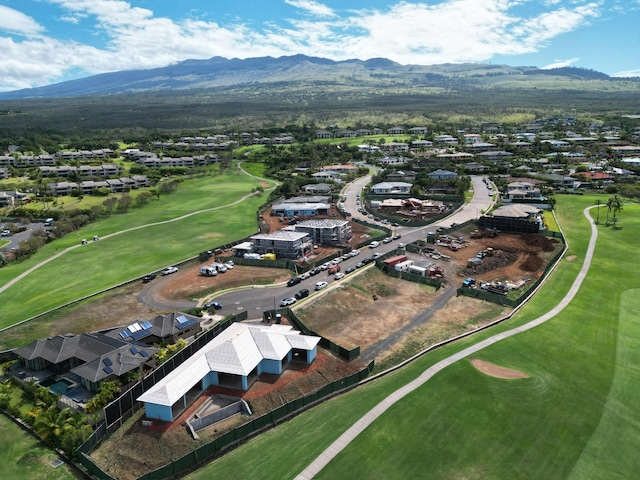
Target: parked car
5, 233
377, 255
355, 253
288, 301
315, 271
397, 237
293, 281
387, 240
148, 278
374, 244
349, 270
401, 245
302, 293
305, 275
320, 285
169, 270
360, 264
338, 275
213, 305
229, 265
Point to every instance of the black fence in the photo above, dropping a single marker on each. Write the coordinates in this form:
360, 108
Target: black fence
123, 407
509, 225
342, 352
206, 453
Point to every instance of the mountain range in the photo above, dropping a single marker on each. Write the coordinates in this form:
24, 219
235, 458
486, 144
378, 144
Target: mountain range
219, 72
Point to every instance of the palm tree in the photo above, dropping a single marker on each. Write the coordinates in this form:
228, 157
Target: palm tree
616, 207
609, 208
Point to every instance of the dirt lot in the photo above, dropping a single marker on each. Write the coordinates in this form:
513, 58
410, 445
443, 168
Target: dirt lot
404, 318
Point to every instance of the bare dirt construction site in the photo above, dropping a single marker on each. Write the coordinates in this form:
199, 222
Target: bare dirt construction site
389, 319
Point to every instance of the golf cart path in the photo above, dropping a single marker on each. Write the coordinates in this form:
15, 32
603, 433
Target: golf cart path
339, 444
176, 219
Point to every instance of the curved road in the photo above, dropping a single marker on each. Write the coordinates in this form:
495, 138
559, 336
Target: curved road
260, 298
336, 447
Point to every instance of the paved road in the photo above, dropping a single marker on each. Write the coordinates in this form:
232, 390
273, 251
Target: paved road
357, 428
263, 298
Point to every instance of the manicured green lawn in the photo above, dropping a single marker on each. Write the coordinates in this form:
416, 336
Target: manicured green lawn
130, 254
23, 457
578, 406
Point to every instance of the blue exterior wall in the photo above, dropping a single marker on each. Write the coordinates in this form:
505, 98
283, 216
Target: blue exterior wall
159, 412
311, 355
270, 366
210, 379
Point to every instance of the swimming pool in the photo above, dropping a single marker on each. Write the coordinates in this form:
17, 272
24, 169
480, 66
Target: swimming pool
59, 388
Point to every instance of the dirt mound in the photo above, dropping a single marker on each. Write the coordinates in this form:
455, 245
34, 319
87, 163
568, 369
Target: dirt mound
541, 242
493, 370
532, 263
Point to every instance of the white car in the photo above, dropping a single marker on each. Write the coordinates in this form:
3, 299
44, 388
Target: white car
288, 301
338, 275
374, 244
320, 285
5, 233
229, 265
305, 275
355, 253
169, 270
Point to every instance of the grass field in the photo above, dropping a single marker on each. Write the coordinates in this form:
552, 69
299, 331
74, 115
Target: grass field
576, 416
22, 456
93, 267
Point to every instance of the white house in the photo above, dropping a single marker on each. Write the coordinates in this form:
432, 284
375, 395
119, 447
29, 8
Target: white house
234, 359
386, 188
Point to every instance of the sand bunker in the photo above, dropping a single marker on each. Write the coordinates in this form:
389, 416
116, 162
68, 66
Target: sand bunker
495, 371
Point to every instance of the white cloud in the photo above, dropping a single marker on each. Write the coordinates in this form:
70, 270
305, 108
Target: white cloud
560, 63
17, 22
627, 73
452, 31
312, 7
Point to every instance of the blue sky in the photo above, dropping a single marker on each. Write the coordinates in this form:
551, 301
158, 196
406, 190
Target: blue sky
48, 41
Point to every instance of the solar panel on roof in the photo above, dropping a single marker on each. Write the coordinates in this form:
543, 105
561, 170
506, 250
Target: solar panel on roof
143, 353
182, 319
108, 369
146, 325
125, 334
133, 350
107, 362
186, 323
134, 327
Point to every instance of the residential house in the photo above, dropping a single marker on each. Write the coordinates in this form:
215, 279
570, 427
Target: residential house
91, 357
387, 161
442, 175
391, 188
523, 191
395, 130
234, 360
396, 147
418, 131
317, 188
323, 134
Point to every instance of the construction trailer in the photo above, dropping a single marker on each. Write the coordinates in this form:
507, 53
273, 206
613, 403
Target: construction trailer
415, 269
403, 266
392, 261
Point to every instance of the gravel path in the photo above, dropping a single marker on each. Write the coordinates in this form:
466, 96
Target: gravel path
337, 446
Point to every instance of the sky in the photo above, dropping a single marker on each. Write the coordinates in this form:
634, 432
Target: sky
49, 41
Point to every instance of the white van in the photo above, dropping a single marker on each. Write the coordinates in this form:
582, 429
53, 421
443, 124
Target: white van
208, 271
48, 222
